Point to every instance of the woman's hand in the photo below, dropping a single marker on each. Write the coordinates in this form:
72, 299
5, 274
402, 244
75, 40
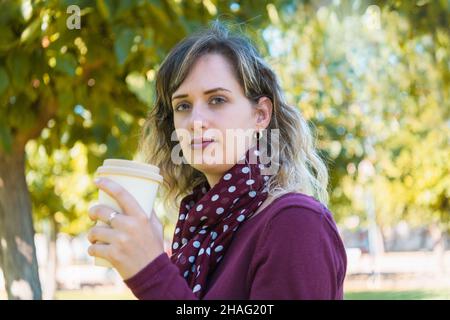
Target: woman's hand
133, 240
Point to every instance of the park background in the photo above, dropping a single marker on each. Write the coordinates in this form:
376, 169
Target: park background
371, 77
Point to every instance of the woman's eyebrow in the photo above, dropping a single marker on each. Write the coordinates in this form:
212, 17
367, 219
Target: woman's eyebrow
215, 89
183, 95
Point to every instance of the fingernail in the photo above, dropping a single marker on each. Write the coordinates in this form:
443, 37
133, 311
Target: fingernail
97, 180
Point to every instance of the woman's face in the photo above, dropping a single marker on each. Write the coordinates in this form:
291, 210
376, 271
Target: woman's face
210, 105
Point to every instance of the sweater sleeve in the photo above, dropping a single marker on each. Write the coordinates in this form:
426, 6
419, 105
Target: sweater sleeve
299, 256
160, 280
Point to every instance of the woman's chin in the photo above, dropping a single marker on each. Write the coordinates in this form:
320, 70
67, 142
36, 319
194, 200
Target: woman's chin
211, 166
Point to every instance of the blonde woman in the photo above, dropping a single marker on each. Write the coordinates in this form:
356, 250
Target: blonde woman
247, 228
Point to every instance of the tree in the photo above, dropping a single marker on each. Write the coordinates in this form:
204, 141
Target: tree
374, 81
86, 84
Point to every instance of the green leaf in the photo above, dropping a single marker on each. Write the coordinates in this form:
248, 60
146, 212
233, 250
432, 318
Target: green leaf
19, 66
5, 138
113, 146
4, 80
122, 45
7, 40
139, 85
103, 9
66, 64
31, 32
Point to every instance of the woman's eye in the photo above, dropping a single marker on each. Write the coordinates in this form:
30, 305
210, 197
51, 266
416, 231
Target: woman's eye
181, 107
217, 100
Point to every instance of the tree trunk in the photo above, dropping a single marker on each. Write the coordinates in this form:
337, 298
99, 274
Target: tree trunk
19, 262
52, 263
438, 245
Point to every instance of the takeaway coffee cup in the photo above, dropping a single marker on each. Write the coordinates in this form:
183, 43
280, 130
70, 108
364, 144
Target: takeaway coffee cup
139, 179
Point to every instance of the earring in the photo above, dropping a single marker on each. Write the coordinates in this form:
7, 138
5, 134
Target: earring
257, 134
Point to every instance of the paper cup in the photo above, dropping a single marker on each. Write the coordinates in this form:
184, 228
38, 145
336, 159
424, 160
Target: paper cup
139, 179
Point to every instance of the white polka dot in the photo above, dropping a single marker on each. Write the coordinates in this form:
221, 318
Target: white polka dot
243, 210
215, 197
186, 273
177, 230
235, 200
234, 229
241, 218
219, 258
199, 207
208, 251
245, 170
201, 251
175, 245
193, 268
184, 241
187, 207
232, 189
259, 203
197, 244
192, 229
213, 235
219, 210
182, 216
197, 288
250, 182
227, 176
252, 194
212, 244
202, 231
203, 218
225, 228
191, 259
218, 248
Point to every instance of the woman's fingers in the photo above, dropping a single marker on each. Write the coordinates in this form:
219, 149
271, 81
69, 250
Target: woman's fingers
103, 213
119, 221
125, 200
155, 221
102, 234
100, 250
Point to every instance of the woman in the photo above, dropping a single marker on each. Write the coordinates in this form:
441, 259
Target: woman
246, 229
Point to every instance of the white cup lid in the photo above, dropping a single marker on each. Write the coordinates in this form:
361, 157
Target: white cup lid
127, 171
130, 164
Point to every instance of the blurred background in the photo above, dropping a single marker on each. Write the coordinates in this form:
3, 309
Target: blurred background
372, 77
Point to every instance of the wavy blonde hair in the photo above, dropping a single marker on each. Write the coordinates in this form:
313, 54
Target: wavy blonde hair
300, 167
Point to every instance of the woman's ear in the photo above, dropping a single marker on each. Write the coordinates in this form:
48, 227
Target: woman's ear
264, 109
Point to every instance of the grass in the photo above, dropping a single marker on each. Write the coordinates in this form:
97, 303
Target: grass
441, 294
93, 295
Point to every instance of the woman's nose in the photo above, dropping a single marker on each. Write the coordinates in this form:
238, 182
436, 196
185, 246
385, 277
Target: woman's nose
200, 118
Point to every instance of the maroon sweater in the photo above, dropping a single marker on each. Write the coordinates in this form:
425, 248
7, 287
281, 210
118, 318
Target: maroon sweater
289, 250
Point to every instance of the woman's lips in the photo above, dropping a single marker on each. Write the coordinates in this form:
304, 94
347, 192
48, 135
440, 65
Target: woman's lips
201, 144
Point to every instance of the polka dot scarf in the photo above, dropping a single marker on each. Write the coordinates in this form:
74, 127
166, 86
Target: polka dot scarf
210, 216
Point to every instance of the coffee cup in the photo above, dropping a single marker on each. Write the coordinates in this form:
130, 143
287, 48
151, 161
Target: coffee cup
139, 179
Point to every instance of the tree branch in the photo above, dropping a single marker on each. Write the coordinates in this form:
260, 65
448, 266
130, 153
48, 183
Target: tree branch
47, 110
